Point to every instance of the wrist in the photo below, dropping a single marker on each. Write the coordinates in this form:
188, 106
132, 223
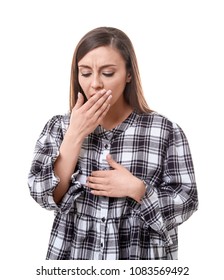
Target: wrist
73, 137
138, 190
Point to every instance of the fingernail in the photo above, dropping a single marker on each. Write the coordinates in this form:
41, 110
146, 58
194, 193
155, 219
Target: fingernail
102, 91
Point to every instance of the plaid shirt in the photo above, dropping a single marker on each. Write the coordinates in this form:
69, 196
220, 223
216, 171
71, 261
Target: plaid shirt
88, 227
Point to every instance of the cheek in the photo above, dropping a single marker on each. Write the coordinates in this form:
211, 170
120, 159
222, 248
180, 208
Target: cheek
81, 81
118, 88
83, 84
117, 84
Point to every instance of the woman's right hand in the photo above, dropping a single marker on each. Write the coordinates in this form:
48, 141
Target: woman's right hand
86, 117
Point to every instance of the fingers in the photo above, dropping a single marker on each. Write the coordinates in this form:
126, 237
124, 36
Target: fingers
100, 174
98, 103
85, 117
112, 162
95, 183
80, 101
98, 179
101, 106
102, 113
99, 193
98, 106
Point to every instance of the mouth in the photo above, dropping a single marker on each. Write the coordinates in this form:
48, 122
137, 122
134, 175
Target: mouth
102, 91
92, 94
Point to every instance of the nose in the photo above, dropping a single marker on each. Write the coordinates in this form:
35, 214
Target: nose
97, 83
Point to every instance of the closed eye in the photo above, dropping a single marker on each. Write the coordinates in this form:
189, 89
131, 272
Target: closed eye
108, 74
85, 74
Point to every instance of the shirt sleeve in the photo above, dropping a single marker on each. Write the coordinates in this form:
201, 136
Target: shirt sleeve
174, 199
41, 180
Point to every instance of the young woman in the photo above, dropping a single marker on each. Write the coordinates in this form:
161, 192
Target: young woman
119, 176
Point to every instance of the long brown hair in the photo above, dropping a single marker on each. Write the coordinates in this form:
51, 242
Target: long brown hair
109, 36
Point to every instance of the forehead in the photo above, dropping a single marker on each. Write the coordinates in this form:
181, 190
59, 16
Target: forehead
102, 55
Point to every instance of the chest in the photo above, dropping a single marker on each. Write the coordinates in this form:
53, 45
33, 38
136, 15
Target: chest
138, 149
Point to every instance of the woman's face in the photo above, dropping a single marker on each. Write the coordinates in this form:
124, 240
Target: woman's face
103, 68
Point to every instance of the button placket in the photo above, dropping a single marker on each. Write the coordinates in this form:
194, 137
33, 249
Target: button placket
106, 146
104, 152
104, 203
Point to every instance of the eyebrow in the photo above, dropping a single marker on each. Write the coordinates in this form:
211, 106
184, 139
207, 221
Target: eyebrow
103, 66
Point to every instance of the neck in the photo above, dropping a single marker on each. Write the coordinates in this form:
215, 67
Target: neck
116, 115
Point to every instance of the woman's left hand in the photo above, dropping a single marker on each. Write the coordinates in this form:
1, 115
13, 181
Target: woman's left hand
118, 182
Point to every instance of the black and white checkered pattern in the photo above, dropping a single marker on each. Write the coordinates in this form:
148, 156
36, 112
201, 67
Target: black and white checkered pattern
90, 227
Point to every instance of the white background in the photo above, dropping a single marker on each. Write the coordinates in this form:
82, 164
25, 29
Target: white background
180, 49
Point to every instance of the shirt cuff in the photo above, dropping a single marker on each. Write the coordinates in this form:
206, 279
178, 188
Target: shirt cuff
72, 193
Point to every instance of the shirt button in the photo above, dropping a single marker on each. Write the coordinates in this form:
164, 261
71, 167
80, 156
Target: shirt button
101, 244
106, 146
103, 219
109, 137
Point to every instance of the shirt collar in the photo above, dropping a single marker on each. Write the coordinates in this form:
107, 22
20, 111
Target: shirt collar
120, 128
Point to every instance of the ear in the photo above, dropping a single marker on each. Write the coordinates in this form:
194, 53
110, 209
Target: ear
128, 79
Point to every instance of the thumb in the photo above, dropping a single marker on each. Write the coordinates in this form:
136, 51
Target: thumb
112, 162
79, 101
